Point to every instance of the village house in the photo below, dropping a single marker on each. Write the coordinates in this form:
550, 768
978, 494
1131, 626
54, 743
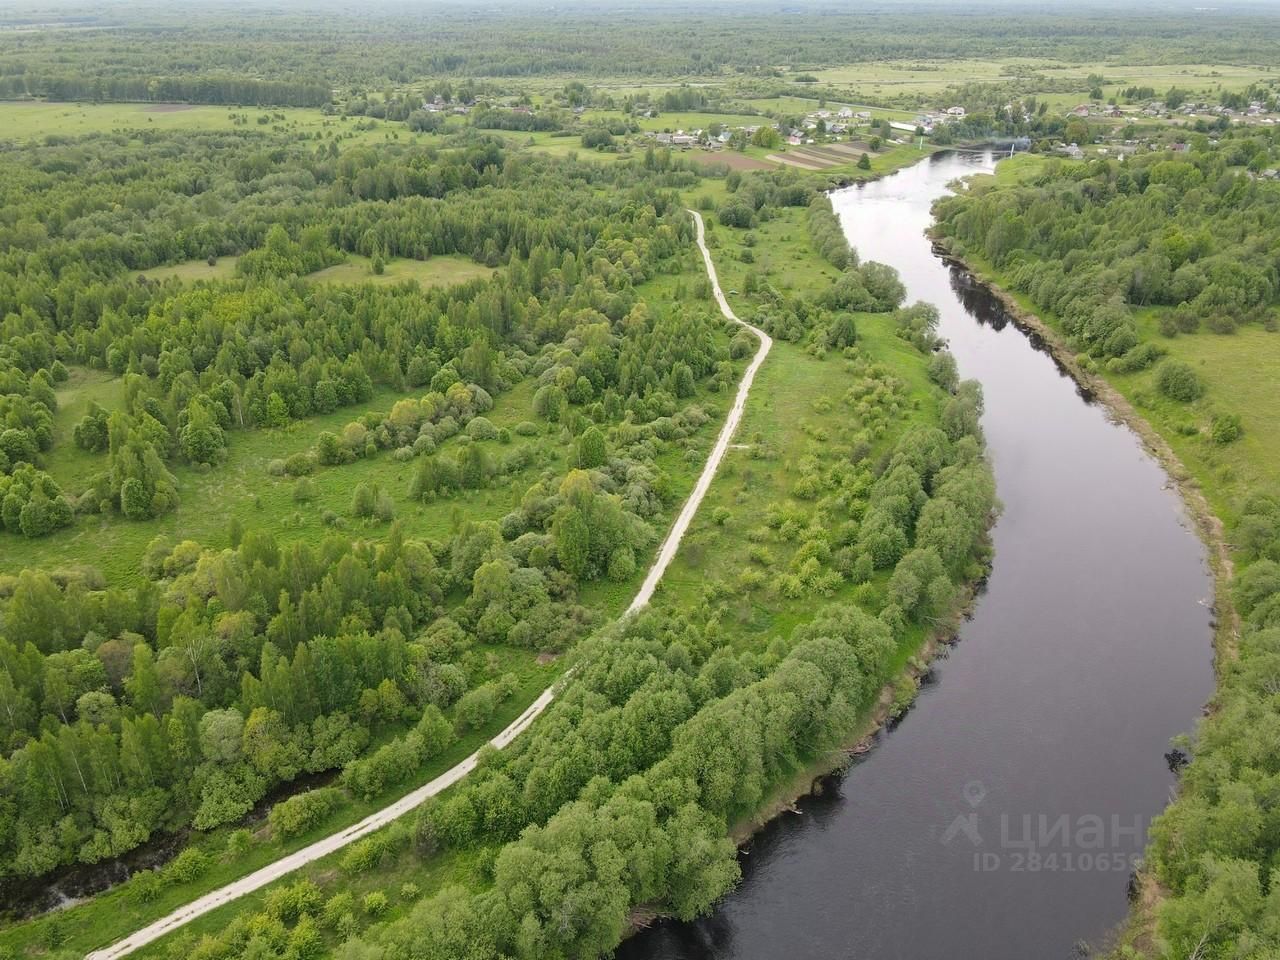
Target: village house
956, 113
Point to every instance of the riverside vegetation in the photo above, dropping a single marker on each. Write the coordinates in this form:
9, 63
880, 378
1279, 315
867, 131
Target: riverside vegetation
860, 471
179, 693
346, 397
1161, 271
132, 700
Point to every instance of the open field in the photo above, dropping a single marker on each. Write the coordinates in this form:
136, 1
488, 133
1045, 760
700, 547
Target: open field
222, 269
241, 488
438, 271
27, 120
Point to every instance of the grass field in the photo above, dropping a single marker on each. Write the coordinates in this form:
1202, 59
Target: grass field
22, 121
224, 268
436, 272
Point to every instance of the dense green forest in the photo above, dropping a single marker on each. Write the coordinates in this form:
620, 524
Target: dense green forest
335, 431
622, 795
1163, 271
262, 55
99, 682
178, 696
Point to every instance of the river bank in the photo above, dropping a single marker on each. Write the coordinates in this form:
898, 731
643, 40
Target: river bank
811, 780
1208, 525
1139, 930
1044, 713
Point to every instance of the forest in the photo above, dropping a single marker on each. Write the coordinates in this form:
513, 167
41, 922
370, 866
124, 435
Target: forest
355, 366
207, 55
100, 680
200, 679
1149, 268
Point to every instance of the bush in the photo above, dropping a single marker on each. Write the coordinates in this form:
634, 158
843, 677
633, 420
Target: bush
1225, 428
1176, 380
145, 886
364, 500
238, 844
481, 428
364, 855
477, 706
376, 903
622, 564
300, 464
300, 813
190, 864
304, 491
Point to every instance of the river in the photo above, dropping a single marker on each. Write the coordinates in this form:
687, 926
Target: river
1000, 818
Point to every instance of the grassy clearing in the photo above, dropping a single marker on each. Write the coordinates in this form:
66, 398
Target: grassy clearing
1238, 371
795, 410
241, 487
223, 269
22, 121
436, 272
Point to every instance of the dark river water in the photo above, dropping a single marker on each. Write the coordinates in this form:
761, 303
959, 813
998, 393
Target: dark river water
1000, 819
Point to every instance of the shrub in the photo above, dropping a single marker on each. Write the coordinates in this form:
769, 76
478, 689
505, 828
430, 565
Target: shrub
300, 813
376, 903
337, 907
1225, 428
364, 855
300, 464
145, 886
190, 864
1178, 381
384, 508
481, 428
622, 564
304, 491
238, 844
364, 500
477, 706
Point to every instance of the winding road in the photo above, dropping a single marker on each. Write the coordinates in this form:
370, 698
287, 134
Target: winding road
375, 821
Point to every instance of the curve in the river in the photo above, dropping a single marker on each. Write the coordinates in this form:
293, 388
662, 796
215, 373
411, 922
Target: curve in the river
1000, 819
380, 818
